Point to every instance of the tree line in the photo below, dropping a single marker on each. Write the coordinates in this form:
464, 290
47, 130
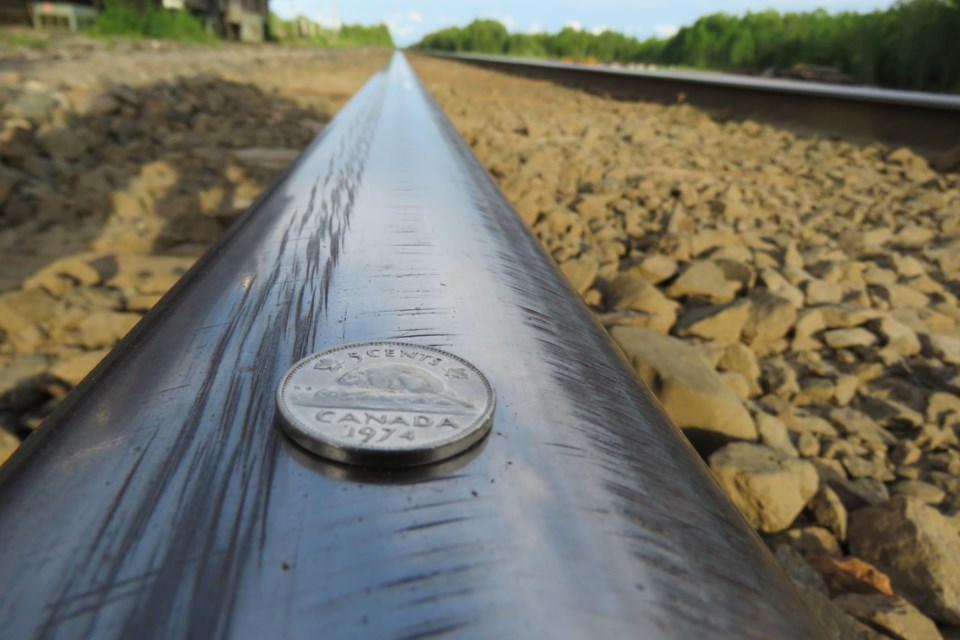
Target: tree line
913, 44
149, 20
301, 30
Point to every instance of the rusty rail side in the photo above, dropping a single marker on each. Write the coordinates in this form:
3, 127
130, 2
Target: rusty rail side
927, 122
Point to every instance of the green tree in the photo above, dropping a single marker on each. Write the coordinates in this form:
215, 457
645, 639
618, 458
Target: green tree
914, 44
485, 36
743, 53
525, 45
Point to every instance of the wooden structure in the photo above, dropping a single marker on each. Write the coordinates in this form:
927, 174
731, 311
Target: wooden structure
14, 12
244, 20
48, 15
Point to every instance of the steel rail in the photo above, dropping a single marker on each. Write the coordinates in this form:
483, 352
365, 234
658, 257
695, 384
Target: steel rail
928, 122
161, 500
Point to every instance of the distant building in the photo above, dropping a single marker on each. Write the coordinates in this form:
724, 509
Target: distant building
244, 20
48, 15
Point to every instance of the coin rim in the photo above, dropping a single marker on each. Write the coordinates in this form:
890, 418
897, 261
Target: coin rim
358, 455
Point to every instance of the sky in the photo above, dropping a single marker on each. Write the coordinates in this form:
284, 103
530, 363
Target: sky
410, 20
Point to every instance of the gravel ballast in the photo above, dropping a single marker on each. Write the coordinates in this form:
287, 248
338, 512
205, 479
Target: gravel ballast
793, 301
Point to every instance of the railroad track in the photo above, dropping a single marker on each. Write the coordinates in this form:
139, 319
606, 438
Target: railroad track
161, 499
929, 123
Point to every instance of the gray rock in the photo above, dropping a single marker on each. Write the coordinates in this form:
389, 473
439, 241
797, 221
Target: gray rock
708, 239
704, 279
101, 329
814, 389
629, 292
891, 615
690, 390
798, 569
899, 296
843, 316
904, 452
950, 483
148, 274
721, 324
770, 488
862, 468
771, 318
890, 413
809, 322
773, 433
18, 380
581, 272
846, 338
823, 292
19, 309
945, 347
34, 105
807, 541
897, 337
829, 512
656, 268
21, 313
736, 383
737, 270
807, 445
275, 159
62, 144
846, 389
940, 405
779, 286
74, 369
918, 548
8, 444
779, 377
738, 358
923, 491
64, 274
854, 495
804, 422
934, 437
857, 424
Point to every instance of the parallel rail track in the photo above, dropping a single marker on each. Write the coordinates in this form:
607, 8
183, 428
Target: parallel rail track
927, 122
161, 500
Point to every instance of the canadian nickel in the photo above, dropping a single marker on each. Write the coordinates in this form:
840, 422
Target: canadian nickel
386, 404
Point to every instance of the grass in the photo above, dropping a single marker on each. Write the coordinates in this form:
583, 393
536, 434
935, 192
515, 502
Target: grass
121, 19
23, 40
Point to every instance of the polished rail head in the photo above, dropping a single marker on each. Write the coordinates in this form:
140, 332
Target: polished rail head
162, 500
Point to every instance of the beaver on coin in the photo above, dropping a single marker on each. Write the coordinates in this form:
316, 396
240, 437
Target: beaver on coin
393, 377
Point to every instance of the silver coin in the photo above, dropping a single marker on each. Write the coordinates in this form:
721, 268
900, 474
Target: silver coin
385, 404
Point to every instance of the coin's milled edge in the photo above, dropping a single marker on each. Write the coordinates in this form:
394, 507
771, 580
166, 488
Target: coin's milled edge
441, 450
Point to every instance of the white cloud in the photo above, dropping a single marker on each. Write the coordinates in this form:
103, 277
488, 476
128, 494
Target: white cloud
666, 30
598, 30
330, 22
505, 20
574, 24
398, 28
535, 27
402, 25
